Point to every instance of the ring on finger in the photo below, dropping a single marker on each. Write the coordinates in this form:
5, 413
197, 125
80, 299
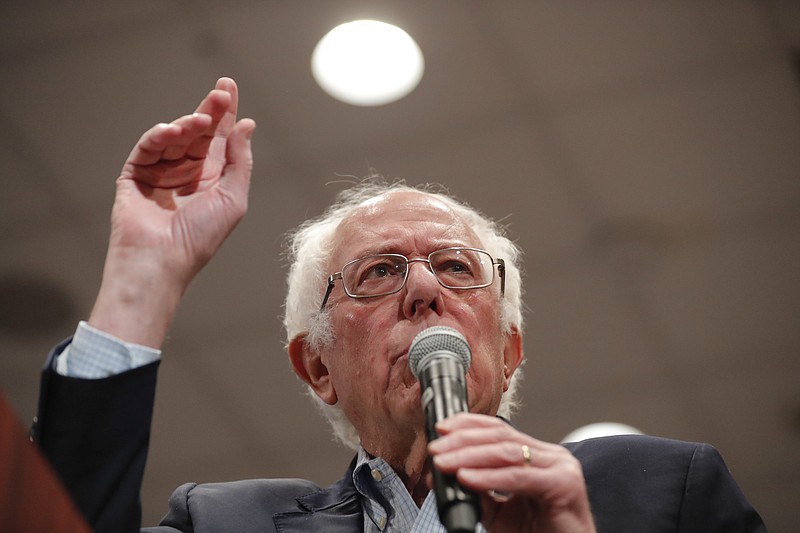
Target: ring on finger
527, 457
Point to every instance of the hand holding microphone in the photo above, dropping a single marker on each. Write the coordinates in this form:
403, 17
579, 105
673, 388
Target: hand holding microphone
439, 358
531, 485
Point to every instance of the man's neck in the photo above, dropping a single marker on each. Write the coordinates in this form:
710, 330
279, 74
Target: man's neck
409, 459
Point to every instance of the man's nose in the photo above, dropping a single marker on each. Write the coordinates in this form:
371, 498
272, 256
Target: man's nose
422, 291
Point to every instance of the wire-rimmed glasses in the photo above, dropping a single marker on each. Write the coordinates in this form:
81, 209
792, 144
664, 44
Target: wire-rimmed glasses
383, 274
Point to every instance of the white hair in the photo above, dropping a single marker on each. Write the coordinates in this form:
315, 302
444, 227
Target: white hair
310, 247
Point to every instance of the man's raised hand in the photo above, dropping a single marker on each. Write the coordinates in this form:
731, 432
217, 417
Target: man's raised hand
181, 192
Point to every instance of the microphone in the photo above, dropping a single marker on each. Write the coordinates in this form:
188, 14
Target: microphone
439, 358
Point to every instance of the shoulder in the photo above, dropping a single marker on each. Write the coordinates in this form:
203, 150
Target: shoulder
638, 463
247, 504
637, 450
235, 494
635, 482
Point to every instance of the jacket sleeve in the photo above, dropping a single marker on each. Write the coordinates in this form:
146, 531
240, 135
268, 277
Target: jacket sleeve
96, 435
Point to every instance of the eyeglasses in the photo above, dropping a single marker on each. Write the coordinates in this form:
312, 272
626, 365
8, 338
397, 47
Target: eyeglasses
384, 274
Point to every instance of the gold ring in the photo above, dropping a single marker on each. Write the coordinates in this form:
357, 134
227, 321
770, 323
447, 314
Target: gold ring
526, 455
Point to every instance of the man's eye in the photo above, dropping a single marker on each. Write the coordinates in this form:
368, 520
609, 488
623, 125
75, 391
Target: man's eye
455, 267
379, 271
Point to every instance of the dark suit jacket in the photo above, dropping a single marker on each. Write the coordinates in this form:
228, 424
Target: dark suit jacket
96, 432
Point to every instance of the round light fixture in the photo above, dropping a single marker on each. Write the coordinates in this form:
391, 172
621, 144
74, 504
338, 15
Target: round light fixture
367, 63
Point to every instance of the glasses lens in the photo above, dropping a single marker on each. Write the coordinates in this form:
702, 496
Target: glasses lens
462, 268
374, 275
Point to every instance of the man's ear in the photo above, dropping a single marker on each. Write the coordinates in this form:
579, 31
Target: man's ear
308, 366
512, 354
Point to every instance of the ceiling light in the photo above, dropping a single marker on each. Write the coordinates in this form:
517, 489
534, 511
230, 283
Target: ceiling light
367, 63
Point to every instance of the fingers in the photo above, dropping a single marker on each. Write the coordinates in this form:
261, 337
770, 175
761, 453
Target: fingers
227, 88
221, 104
467, 429
487, 454
239, 160
154, 142
191, 136
521, 480
468, 440
562, 476
495, 455
229, 119
226, 124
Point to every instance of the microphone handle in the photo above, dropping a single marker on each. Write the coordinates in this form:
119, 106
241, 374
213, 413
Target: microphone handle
444, 394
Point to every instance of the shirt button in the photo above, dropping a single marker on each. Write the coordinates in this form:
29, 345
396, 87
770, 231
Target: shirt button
376, 475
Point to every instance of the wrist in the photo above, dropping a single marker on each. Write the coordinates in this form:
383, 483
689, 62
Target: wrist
138, 298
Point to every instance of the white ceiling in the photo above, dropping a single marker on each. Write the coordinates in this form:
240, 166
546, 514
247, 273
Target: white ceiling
645, 155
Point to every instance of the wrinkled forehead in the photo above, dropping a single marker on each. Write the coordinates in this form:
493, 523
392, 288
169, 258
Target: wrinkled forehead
410, 218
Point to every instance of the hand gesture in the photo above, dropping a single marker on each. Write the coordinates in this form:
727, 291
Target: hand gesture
526, 485
180, 193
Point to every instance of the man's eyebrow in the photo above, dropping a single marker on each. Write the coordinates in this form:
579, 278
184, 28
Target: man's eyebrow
383, 249
372, 251
393, 248
386, 247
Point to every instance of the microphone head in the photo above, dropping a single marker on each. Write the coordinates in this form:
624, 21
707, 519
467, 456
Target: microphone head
438, 340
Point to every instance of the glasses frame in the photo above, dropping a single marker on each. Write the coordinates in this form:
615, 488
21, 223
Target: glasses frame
500, 263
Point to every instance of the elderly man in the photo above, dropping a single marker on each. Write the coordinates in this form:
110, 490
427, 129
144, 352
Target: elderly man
375, 270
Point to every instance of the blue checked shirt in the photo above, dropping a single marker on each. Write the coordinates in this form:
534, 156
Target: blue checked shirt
94, 354
380, 485
388, 507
